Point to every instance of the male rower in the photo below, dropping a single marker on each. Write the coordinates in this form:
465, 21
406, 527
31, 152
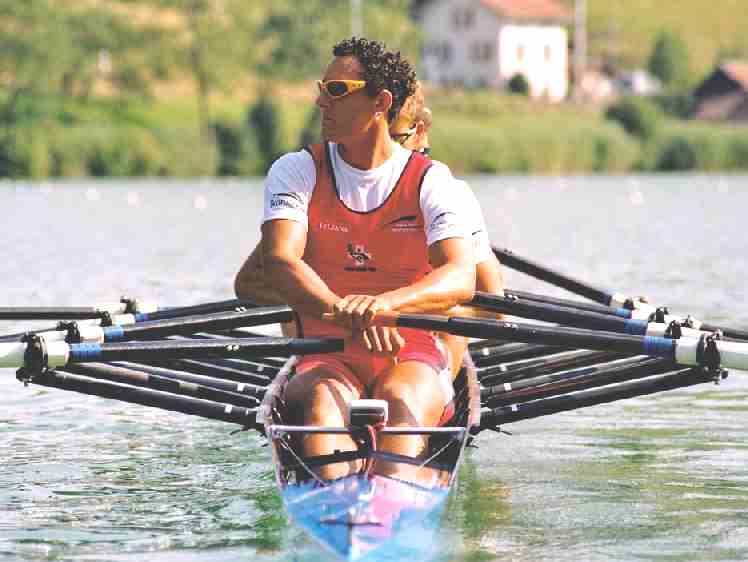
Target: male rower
355, 226
411, 130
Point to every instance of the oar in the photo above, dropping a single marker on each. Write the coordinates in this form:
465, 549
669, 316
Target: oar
214, 380
661, 315
515, 371
583, 399
596, 294
166, 384
705, 351
36, 355
216, 315
147, 397
573, 380
575, 317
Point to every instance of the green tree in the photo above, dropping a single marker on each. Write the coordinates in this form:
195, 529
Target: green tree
215, 41
669, 60
638, 116
301, 34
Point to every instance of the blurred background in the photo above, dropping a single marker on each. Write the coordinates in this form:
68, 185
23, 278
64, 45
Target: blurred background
188, 88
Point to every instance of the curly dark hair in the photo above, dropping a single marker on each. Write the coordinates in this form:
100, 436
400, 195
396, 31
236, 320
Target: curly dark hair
383, 70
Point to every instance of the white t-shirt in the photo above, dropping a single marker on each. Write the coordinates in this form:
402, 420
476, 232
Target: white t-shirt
478, 232
290, 183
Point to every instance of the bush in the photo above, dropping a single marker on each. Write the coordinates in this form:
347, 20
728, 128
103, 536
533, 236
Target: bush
638, 116
24, 153
312, 129
678, 105
264, 120
237, 152
669, 59
518, 84
677, 155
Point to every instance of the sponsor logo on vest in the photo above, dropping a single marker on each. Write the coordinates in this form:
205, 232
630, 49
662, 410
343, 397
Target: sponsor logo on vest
360, 257
333, 227
406, 223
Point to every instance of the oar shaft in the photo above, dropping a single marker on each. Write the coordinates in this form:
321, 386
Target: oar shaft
172, 386
238, 305
56, 313
534, 269
146, 397
586, 398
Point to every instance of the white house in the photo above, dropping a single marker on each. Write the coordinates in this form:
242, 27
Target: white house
487, 42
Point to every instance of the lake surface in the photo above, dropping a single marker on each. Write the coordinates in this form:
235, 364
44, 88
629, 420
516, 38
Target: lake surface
658, 478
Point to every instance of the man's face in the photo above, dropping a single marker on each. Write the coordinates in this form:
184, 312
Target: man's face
351, 115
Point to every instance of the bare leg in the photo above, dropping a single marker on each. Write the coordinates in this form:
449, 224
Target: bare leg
320, 397
415, 398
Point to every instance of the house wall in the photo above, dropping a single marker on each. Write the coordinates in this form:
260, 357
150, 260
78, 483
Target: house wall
461, 42
539, 52
467, 43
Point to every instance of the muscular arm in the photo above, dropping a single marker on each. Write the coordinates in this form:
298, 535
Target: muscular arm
250, 282
451, 282
296, 283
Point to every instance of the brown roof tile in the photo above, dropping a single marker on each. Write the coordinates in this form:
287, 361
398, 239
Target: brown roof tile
529, 9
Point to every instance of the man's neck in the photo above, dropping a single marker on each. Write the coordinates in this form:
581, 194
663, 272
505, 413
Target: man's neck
368, 151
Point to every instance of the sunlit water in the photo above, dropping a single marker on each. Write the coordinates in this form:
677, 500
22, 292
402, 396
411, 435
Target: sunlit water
657, 478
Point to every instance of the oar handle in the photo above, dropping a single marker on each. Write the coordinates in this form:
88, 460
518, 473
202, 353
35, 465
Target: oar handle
382, 318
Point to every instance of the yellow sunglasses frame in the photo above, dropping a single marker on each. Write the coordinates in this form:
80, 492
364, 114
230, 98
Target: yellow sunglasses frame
352, 85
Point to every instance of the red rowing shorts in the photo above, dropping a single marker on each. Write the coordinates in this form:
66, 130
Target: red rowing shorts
361, 367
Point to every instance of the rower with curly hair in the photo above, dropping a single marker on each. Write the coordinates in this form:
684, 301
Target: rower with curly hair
357, 225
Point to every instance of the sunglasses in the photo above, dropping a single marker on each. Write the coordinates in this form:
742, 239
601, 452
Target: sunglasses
337, 89
400, 138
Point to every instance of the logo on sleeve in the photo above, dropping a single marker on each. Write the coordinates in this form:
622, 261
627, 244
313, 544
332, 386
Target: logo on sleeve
285, 201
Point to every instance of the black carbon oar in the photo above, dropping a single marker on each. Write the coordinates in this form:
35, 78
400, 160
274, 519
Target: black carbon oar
133, 377
213, 380
60, 312
583, 399
704, 351
146, 397
509, 372
576, 286
569, 303
573, 317
36, 355
573, 380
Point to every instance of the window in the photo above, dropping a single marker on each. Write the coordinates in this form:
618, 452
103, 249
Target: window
463, 18
440, 51
548, 53
520, 53
481, 52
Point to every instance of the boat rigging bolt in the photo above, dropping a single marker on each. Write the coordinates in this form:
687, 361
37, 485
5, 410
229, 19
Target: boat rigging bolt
35, 359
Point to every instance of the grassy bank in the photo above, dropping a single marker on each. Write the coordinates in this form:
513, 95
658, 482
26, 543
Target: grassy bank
474, 132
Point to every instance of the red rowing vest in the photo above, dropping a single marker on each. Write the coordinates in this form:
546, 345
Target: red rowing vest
365, 253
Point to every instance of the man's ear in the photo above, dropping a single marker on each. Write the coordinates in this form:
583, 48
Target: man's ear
383, 102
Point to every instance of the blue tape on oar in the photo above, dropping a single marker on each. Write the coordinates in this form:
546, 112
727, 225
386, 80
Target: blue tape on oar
142, 317
657, 346
622, 312
85, 352
114, 333
636, 327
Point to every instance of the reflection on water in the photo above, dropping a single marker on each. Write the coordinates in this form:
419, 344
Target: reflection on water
656, 478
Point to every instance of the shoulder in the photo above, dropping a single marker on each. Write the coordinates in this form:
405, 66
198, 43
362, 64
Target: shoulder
299, 163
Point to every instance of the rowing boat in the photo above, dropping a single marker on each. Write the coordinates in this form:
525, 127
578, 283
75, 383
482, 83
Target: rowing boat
366, 515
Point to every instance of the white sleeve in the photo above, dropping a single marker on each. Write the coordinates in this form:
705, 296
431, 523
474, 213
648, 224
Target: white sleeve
478, 231
442, 206
289, 186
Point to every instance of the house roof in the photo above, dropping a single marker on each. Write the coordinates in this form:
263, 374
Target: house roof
737, 71
529, 9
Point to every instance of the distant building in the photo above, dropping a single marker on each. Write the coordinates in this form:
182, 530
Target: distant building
487, 42
723, 96
638, 82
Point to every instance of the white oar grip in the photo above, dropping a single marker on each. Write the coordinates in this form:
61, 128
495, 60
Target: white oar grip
58, 353
11, 354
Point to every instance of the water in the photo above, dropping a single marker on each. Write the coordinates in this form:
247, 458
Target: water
657, 478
